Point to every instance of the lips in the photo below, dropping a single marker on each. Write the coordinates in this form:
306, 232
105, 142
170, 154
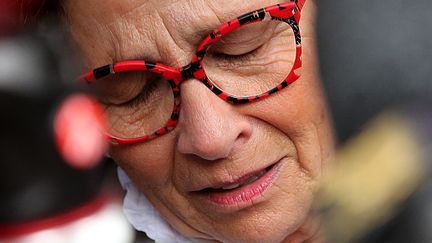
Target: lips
244, 180
242, 192
247, 181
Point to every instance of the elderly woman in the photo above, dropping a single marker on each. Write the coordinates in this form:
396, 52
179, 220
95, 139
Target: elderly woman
217, 120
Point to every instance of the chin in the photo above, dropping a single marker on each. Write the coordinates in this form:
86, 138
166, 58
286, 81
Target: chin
259, 235
265, 225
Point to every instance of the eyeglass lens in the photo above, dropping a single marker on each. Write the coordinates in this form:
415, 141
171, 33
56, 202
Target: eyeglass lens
252, 59
137, 103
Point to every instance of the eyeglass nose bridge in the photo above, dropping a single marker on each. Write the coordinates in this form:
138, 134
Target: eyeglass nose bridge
195, 70
192, 70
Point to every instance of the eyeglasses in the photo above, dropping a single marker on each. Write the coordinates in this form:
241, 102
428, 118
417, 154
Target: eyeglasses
246, 59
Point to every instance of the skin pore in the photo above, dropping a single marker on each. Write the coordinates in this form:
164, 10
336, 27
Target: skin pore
214, 141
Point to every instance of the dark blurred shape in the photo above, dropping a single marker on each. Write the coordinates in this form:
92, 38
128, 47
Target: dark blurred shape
376, 59
36, 181
373, 55
37, 73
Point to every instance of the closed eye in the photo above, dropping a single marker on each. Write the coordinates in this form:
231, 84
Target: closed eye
220, 56
144, 95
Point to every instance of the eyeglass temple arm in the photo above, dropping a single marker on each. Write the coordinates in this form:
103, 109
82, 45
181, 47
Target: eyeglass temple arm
300, 4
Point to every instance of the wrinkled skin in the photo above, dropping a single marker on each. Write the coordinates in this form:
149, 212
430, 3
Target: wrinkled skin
214, 140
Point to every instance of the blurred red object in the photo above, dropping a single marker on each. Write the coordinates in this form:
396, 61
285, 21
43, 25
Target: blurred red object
78, 129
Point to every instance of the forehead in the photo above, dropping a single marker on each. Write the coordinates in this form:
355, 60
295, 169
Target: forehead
112, 30
184, 10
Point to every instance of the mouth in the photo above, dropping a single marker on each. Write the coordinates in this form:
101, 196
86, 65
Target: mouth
242, 192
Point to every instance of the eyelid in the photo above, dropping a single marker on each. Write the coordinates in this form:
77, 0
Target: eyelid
121, 89
241, 47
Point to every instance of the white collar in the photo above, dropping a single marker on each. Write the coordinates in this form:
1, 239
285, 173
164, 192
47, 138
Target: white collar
143, 216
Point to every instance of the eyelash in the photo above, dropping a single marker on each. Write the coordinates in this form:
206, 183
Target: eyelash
144, 95
236, 58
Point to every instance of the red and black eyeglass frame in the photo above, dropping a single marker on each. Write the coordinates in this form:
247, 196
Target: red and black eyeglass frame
288, 12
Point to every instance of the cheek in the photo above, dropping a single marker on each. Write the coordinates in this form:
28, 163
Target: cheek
142, 160
299, 112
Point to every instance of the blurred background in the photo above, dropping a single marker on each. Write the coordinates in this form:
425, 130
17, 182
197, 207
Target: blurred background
56, 185
376, 58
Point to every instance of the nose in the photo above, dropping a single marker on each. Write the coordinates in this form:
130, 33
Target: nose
209, 127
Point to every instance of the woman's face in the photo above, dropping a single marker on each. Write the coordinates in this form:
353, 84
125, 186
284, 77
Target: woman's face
187, 174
